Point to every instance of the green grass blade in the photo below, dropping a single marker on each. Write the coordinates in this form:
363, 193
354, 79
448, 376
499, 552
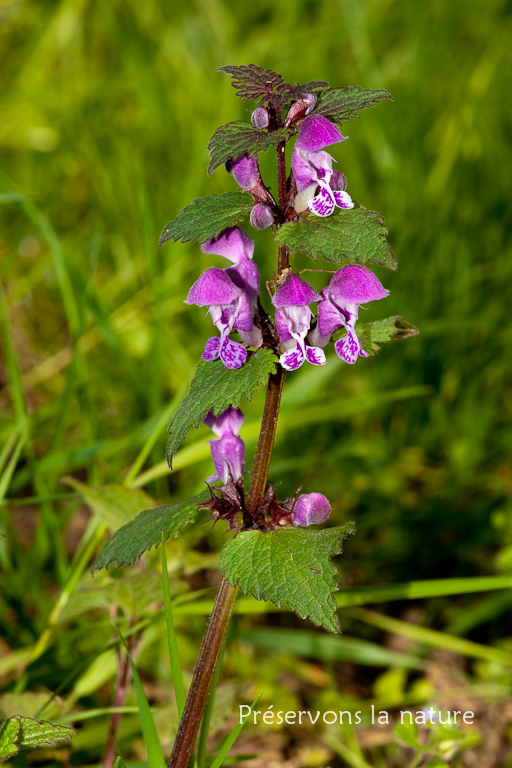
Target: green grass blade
159, 429
11, 361
232, 737
354, 596
149, 733
415, 590
7, 473
432, 637
177, 675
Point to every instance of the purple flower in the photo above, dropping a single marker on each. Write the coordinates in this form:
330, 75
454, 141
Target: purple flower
293, 317
310, 509
245, 170
350, 287
236, 246
229, 308
312, 168
228, 450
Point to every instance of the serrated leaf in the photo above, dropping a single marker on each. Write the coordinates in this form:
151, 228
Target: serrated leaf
252, 81
295, 91
340, 104
358, 236
32, 734
216, 387
146, 531
291, 566
115, 505
373, 335
207, 216
8, 737
233, 140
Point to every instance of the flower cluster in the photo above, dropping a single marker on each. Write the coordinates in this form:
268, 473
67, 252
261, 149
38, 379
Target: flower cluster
231, 296
338, 307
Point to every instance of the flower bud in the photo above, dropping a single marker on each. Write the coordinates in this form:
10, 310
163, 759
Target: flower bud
245, 171
261, 216
259, 117
300, 108
311, 508
228, 450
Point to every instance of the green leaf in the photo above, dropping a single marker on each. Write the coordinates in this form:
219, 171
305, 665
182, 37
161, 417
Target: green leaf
207, 216
339, 104
217, 387
115, 505
233, 140
291, 566
408, 732
8, 737
146, 531
252, 81
358, 236
27, 733
373, 335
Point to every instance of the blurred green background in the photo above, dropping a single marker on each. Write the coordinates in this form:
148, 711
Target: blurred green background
106, 112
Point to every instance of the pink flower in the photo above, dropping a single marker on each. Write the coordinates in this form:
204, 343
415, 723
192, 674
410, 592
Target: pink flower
350, 287
293, 317
312, 169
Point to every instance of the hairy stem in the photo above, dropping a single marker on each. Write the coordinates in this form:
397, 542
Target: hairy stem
203, 675
265, 442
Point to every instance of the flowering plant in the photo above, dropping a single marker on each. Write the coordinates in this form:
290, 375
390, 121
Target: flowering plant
275, 553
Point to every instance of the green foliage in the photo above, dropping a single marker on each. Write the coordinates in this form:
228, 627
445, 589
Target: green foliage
207, 216
216, 387
373, 335
338, 104
289, 566
233, 140
223, 752
252, 81
149, 732
357, 235
114, 505
146, 531
8, 735
26, 733
443, 741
